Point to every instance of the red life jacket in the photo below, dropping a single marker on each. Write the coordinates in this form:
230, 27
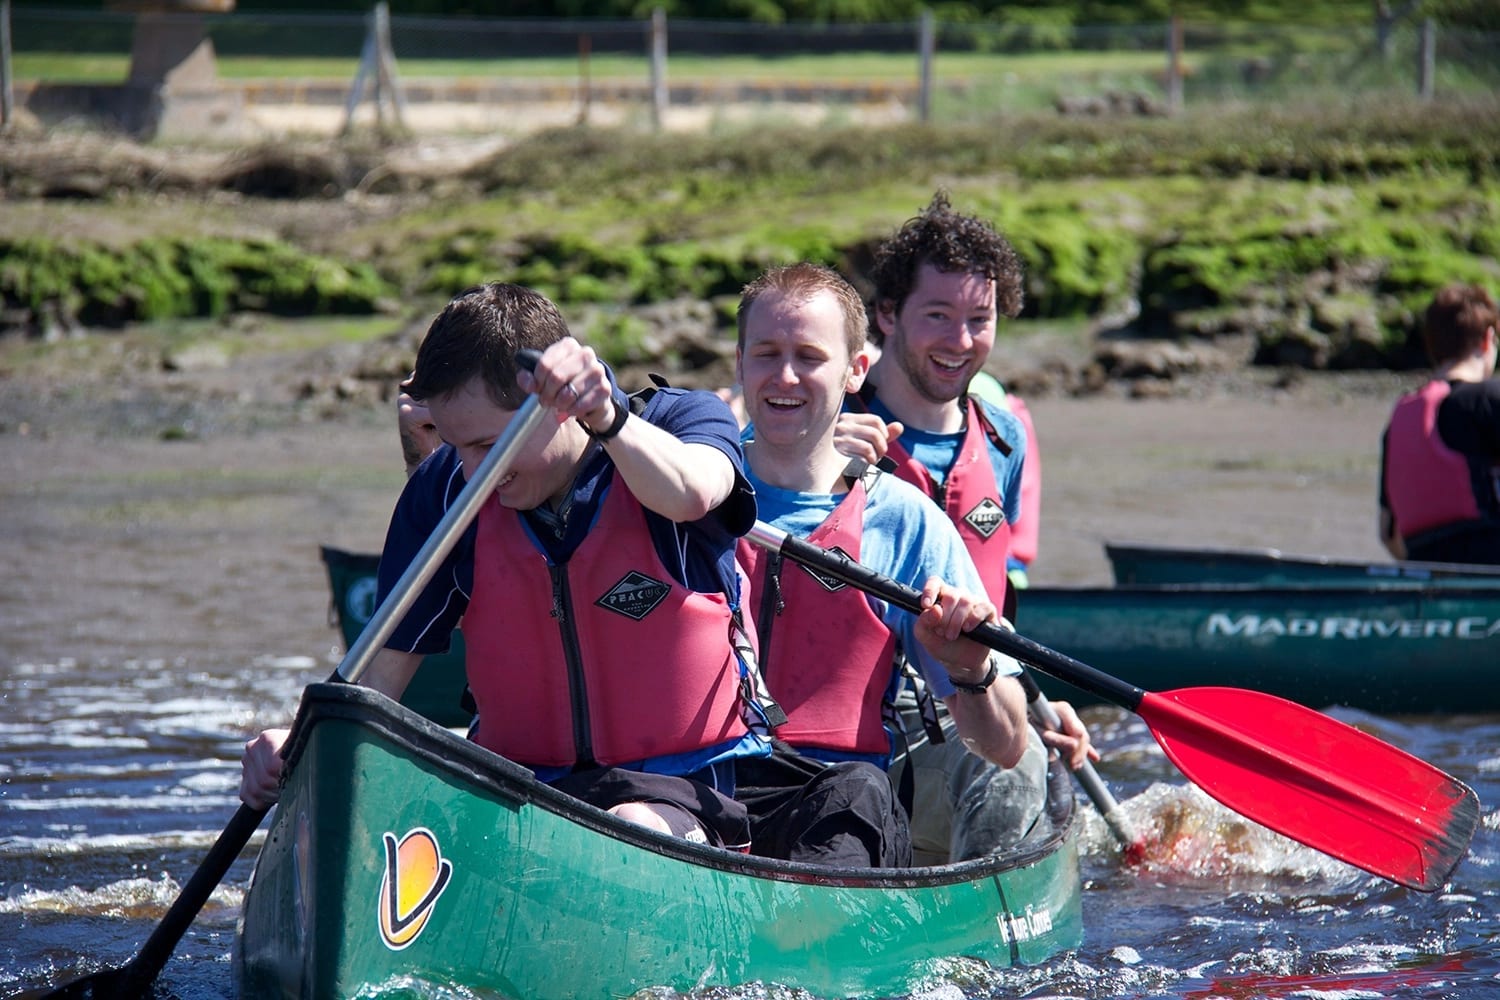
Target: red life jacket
969, 495
1025, 533
603, 659
825, 655
1427, 483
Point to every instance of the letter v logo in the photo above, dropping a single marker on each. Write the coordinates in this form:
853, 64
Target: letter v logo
416, 873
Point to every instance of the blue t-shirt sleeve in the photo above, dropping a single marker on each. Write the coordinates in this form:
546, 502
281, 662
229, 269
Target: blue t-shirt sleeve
1007, 467
908, 538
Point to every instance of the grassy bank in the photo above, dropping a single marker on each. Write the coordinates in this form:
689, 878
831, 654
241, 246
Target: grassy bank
1316, 233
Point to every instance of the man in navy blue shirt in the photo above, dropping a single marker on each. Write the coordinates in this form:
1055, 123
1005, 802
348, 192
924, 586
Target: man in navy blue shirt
597, 587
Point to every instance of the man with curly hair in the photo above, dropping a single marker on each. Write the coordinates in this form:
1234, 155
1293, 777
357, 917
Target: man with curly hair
941, 283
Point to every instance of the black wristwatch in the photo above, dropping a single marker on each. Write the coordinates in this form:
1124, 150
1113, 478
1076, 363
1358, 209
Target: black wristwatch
983, 685
621, 413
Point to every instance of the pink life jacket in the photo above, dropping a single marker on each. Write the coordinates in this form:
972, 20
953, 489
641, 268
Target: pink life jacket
1427, 483
1025, 533
603, 659
969, 496
825, 655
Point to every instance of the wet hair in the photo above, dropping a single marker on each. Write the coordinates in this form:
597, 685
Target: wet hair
1456, 321
801, 282
479, 333
952, 243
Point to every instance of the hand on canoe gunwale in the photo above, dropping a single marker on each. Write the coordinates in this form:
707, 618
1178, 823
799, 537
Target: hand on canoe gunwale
260, 769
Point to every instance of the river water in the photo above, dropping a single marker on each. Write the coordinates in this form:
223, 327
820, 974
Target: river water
163, 601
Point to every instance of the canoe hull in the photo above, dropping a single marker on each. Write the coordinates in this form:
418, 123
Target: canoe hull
1150, 565
502, 884
1413, 649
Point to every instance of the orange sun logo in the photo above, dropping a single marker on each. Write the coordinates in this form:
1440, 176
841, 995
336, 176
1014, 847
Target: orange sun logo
416, 873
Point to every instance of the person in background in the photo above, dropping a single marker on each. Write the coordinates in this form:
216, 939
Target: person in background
1440, 454
597, 586
827, 651
942, 281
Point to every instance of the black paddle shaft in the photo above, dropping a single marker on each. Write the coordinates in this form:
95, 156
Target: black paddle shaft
842, 568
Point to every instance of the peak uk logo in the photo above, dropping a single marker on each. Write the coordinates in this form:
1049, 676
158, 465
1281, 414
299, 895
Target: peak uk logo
986, 517
635, 596
416, 873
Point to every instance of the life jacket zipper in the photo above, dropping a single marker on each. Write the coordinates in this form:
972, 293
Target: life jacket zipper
562, 610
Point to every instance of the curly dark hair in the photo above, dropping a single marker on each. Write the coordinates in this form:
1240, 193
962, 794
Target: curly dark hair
950, 241
479, 333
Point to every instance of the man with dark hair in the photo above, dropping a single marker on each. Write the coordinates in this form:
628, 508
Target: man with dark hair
640, 707
1440, 455
941, 282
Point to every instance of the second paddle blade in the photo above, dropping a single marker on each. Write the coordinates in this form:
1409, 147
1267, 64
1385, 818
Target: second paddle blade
1318, 781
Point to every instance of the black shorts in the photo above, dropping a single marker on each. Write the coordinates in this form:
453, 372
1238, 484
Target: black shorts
690, 805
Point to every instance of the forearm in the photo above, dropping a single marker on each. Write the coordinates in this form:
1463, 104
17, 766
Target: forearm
389, 671
1389, 536
992, 724
682, 481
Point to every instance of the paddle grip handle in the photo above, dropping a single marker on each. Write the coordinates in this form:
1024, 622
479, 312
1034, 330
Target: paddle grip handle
1049, 661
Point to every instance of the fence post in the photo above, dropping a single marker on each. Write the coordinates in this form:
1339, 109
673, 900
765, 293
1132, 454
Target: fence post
1174, 65
386, 64
658, 67
926, 43
1427, 61
585, 83
377, 64
7, 94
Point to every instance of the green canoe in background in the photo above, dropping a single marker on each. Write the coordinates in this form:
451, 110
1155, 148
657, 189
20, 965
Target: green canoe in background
401, 852
1146, 564
1408, 648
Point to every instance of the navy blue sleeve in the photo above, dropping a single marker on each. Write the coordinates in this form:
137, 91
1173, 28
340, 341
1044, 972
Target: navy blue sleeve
435, 613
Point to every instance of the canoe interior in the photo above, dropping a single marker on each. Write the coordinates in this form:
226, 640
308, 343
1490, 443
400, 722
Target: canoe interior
509, 887
1145, 564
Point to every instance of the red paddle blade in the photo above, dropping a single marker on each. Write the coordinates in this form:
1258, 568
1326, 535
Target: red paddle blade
1318, 781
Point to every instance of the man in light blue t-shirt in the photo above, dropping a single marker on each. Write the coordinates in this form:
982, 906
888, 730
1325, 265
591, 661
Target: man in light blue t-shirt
801, 349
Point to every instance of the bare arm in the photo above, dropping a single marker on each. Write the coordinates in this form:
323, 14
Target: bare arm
991, 723
679, 480
1389, 536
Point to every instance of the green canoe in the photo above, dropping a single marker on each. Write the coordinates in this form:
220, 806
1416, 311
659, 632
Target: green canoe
1139, 563
1417, 647
401, 851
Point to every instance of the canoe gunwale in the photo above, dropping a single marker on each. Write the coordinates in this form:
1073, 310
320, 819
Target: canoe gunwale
446, 751
1123, 554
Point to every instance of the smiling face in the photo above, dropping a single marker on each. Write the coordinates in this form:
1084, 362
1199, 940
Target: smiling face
943, 332
795, 367
544, 468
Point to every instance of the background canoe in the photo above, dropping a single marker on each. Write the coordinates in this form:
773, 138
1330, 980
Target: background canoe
1391, 649
402, 852
1140, 563
438, 689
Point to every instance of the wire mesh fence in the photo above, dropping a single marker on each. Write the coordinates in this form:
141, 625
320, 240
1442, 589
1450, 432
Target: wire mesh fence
513, 74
